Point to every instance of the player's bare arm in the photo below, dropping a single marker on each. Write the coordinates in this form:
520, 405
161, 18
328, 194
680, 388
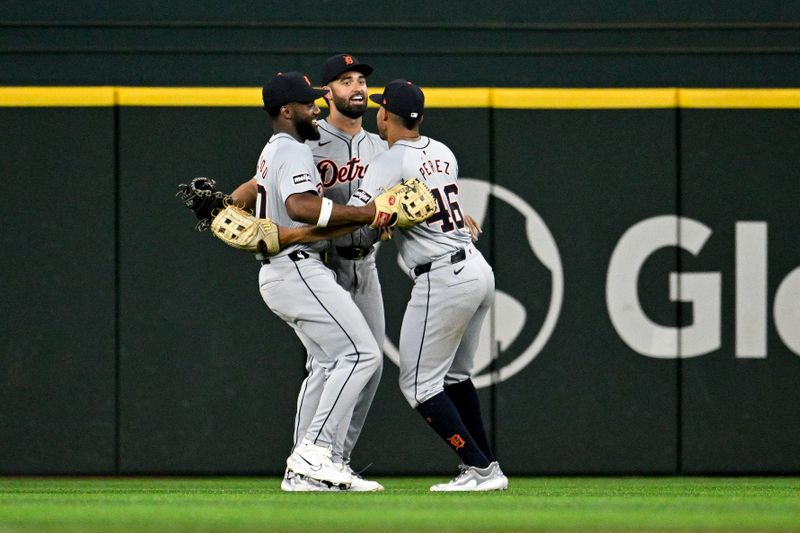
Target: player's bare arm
245, 194
307, 207
311, 234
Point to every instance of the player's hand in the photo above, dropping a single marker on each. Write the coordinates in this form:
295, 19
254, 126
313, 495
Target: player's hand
386, 234
474, 228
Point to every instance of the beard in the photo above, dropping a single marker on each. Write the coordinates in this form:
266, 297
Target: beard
305, 129
348, 109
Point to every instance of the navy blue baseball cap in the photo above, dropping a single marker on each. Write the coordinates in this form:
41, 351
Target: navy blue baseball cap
402, 98
336, 65
287, 87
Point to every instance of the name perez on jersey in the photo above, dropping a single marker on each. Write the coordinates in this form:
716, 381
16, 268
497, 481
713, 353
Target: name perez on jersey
434, 166
330, 173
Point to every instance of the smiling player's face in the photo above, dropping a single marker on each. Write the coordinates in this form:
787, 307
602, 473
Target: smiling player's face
349, 94
304, 119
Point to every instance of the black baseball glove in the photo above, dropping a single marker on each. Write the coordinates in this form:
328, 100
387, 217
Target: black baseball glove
203, 199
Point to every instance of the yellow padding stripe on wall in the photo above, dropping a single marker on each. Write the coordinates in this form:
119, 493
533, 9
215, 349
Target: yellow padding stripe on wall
457, 98
251, 97
436, 97
57, 96
189, 96
739, 98
584, 98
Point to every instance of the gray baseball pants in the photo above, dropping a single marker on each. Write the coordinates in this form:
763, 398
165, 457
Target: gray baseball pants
304, 293
360, 279
442, 324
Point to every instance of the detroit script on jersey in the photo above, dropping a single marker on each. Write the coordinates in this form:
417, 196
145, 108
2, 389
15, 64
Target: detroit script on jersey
342, 161
330, 173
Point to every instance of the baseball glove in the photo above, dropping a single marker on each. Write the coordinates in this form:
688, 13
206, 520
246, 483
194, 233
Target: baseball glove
236, 227
203, 199
407, 203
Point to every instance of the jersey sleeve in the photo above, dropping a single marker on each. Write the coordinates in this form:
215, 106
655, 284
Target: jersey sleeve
297, 173
381, 174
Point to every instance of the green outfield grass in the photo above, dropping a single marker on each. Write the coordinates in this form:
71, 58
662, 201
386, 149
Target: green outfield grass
591, 504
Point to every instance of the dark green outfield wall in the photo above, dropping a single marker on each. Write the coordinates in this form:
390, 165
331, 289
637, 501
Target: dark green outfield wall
58, 303
749, 43
738, 168
131, 344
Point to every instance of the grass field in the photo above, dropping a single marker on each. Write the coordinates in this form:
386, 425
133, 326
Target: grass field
591, 504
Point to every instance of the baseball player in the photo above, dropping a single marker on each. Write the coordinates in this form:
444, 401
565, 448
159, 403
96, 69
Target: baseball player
297, 286
342, 154
453, 289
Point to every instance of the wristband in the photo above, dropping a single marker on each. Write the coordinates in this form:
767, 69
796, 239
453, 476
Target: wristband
325, 212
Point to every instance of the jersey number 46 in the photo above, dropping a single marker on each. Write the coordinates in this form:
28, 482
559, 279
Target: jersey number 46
449, 213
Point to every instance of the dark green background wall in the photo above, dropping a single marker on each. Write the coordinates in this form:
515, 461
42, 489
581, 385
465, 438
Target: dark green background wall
132, 344
471, 43
58, 308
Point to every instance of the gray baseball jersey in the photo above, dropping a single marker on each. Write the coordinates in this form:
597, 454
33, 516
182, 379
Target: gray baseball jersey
435, 164
341, 160
302, 291
453, 283
285, 167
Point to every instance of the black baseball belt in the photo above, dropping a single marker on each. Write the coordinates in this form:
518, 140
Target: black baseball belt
297, 255
455, 258
353, 252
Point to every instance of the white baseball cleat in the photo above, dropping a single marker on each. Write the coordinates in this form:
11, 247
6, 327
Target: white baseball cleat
359, 483
298, 483
473, 478
500, 475
314, 462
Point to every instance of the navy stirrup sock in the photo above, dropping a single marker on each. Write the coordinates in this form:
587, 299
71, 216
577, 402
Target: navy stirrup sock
442, 415
465, 398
